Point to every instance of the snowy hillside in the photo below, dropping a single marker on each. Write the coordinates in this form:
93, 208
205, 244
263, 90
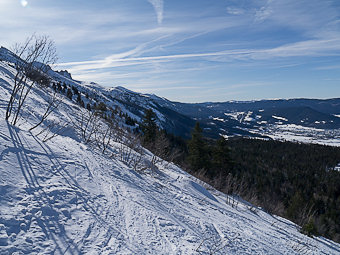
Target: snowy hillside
65, 196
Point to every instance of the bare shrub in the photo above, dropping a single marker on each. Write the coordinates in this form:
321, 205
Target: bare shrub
53, 102
88, 123
35, 54
133, 156
52, 130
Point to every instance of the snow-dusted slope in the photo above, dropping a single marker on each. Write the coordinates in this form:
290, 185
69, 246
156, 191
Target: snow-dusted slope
65, 197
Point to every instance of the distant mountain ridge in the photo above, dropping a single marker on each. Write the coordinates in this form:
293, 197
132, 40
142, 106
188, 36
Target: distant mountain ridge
317, 118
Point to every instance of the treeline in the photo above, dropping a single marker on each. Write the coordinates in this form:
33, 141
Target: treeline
284, 178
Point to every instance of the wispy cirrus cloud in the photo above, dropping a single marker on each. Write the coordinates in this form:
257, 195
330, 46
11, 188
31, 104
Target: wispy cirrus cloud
235, 11
308, 48
158, 5
213, 44
263, 13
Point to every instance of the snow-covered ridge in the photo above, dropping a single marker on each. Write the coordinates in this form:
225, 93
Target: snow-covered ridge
279, 118
7, 55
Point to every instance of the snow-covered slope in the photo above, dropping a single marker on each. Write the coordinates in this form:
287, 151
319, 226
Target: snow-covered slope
64, 196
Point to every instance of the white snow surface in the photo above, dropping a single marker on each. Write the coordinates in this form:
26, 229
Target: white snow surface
66, 197
218, 119
301, 134
240, 116
279, 118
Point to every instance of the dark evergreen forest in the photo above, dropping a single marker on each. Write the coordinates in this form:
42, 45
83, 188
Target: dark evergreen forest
293, 180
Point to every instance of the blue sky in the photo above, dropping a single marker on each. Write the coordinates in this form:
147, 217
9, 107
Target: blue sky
192, 50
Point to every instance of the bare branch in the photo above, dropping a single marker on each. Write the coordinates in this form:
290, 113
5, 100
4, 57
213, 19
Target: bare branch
34, 57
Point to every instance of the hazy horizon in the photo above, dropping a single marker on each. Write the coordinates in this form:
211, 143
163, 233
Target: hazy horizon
192, 51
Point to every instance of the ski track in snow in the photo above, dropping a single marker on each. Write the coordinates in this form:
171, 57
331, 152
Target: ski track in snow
65, 197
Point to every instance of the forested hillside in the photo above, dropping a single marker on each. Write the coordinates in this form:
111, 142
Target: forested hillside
293, 180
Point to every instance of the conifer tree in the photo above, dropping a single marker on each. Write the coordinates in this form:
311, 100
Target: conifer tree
79, 98
198, 158
88, 106
101, 107
69, 93
82, 104
221, 156
149, 127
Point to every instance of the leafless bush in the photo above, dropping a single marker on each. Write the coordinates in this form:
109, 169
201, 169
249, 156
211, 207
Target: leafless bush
162, 150
53, 102
88, 123
132, 157
234, 189
137, 160
106, 138
305, 220
35, 54
152, 164
103, 137
52, 130
103, 133
119, 134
